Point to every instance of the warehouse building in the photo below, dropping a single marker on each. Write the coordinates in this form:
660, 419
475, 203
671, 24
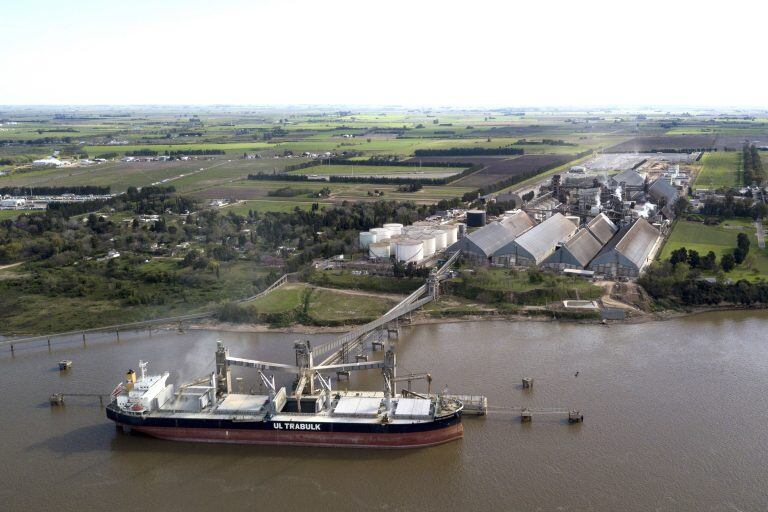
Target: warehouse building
627, 253
602, 228
480, 245
537, 244
663, 192
630, 177
576, 253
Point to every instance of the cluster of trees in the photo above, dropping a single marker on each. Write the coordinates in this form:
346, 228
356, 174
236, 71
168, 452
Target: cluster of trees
728, 262
81, 190
410, 187
729, 207
753, 166
401, 269
546, 142
142, 152
679, 284
469, 151
333, 230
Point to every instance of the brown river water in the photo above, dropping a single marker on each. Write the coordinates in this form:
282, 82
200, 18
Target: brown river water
675, 419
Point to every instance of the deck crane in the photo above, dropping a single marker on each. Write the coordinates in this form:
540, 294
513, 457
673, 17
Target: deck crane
305, 370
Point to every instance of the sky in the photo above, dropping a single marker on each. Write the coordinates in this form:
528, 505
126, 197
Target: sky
364, 52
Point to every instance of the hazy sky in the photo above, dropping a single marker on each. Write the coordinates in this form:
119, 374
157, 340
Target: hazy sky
413, 52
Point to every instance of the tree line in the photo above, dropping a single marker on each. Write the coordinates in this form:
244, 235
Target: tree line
753, 166
469, 151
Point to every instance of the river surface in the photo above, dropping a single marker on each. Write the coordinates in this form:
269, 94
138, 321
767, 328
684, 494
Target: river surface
675, 419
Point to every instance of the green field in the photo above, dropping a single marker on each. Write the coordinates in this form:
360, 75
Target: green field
720, 170
268, 205
13, 214
378, 170
720, 239
324, 305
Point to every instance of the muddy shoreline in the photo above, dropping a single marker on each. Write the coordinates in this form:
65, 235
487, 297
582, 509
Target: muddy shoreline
659, 316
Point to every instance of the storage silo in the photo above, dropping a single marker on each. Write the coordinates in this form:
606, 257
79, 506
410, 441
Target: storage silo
441, 239
476, 218
408, 250
394, 228
379, 250
428, 239
366, 238
380, 232
423, 223
393, 243
452, 233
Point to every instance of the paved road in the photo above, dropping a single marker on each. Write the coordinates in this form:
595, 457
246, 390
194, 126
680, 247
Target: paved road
760, 234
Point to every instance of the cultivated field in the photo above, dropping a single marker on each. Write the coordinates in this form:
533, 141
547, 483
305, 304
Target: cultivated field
387, 171
652, 144
503, 169
721, 169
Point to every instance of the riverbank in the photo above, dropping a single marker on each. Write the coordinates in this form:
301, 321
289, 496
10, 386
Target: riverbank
420, 319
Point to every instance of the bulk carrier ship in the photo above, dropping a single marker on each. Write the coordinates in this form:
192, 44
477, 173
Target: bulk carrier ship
207, 410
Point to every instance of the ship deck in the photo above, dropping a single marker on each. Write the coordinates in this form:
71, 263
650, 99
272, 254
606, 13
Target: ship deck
360, 407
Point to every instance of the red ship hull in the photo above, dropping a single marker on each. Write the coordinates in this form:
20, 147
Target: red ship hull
302, 438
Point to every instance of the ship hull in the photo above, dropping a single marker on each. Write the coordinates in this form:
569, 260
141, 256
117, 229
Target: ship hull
307, 433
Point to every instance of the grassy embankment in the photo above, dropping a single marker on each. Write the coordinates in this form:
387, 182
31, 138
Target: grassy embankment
720, 239
302, 303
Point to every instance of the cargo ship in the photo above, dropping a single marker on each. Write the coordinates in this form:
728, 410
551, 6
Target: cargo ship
209, 410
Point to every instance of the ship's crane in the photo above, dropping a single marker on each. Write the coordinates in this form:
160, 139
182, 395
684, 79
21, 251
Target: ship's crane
305, 371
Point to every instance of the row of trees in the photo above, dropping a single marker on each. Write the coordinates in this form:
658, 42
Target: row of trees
753, 166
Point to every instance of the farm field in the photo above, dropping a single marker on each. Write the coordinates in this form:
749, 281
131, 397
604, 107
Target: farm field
272, 205
183, 175
259, 189
504, 169
721, 169
721, 240
650, 144
229, 147
401, 171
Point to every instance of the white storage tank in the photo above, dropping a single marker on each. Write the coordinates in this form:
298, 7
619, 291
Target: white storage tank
429, 243
380, 232
441, 239
379, 250
451, 232
366, 238
394, 228
408, 250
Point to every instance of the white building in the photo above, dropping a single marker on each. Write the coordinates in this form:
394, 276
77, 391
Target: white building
48, 162
13, 203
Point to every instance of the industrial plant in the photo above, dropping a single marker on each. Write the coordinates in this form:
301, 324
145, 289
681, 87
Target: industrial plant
584, 222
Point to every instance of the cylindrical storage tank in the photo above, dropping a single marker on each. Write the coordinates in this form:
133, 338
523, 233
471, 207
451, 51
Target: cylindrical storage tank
366, 238
441, 239
380, 232
423, 223
428, 240
394, 228
393, 243
408, 250
462, 229
408, 230
379, 250
475, 218
451, 232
